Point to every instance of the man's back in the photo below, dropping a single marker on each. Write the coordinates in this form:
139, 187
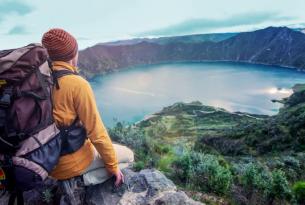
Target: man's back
64, 112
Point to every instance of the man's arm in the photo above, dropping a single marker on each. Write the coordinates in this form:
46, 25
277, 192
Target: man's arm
88, 114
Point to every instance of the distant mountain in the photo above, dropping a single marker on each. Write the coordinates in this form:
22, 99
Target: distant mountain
279, 46
197, 38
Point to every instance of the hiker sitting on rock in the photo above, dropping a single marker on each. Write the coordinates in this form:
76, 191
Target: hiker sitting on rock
73, 100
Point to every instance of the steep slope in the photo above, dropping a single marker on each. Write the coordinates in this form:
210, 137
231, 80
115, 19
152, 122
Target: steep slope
275, 46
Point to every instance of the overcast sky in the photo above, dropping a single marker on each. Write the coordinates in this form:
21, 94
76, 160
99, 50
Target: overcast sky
95, 21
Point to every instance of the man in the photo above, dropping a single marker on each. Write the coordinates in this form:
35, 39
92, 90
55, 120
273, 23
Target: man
98, 158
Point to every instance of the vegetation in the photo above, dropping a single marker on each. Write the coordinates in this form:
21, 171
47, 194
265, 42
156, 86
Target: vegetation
202, 172
262, 186
245, 158
299, 191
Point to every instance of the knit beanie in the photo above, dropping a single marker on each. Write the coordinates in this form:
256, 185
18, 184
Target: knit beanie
60, 44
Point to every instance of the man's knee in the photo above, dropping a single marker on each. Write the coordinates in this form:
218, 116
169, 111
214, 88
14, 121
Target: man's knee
124, 154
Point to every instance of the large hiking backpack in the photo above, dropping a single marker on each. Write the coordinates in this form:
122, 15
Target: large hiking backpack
30, 143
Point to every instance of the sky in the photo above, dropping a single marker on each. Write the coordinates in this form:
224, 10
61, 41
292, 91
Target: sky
95, 21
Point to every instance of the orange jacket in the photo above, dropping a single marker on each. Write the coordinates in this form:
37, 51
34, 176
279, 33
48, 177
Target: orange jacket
75, 98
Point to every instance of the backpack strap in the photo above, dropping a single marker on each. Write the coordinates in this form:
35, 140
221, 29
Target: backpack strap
61, 73
16, 195
73, 136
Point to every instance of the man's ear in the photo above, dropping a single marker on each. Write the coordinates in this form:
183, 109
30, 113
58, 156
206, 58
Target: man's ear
75, 60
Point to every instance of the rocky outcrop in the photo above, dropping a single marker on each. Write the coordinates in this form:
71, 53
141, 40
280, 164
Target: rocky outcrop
147, 187
273, 46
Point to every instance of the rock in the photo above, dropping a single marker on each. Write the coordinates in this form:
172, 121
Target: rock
172, 198
147, 187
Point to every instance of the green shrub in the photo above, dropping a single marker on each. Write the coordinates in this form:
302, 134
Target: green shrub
203, 172
271, 185
182, 169
133, 138
138, 165
161, 148
299, 191
148, 152
280, 187
165, 162
255, 177
291, 161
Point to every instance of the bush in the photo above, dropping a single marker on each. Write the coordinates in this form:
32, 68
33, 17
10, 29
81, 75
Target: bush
135, 139
280, 187
128, 136
148, 152
165, 162
162, 148
299, 191
138, 166
270, 185
256, 178
203, 172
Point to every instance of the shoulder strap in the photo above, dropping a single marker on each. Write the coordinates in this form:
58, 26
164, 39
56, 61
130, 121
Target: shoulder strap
61, 73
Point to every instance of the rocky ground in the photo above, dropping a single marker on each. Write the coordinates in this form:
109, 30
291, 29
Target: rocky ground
147, 187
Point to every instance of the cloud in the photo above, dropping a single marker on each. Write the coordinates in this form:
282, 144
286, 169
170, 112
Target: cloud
17, 30
205, 25
14, 6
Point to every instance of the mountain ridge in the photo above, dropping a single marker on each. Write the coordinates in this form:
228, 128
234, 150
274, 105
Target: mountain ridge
278, 46
194, 38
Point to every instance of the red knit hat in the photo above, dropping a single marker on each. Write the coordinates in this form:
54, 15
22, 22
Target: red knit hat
60, 45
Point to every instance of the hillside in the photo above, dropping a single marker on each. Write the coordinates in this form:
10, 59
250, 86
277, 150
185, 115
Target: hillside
275, 46
245, 158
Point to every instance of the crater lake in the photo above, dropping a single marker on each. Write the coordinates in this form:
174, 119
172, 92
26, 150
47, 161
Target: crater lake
134, 93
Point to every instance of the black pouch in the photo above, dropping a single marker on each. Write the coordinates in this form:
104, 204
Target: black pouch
73, 138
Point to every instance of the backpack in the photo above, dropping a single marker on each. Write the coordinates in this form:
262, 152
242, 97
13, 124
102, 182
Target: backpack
30, 142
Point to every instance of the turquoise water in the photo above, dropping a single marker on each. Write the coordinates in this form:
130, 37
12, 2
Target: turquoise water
131, 94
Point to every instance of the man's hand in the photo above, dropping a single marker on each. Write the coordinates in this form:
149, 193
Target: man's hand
119, 178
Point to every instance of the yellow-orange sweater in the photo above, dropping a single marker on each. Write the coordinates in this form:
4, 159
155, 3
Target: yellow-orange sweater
75, 98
